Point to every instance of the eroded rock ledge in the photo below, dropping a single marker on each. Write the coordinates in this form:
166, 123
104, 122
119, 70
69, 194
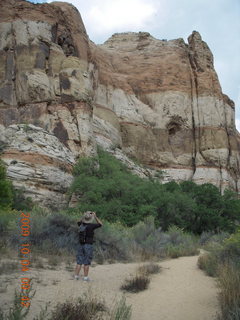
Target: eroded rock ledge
157, 101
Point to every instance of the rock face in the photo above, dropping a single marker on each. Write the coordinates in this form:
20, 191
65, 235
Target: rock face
38, 162
157, 101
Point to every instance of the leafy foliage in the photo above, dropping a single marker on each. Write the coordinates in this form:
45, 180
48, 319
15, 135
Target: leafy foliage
223, 260
6, 193
105, 185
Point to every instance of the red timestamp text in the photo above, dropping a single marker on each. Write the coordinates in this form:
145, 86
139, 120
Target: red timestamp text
25, 251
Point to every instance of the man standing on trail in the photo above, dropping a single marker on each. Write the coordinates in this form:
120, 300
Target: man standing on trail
85, 246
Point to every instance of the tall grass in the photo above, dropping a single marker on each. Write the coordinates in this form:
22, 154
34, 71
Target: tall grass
209, 263
16, 310
229, 296
121, 310
86, 307
223, 261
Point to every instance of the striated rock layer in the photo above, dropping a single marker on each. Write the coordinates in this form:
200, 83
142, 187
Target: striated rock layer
156, 101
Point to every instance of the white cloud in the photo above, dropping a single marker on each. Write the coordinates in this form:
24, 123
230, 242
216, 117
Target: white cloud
120, 14
238, 124
105, 17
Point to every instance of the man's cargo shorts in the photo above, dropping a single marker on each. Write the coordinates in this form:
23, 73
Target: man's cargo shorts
84, 254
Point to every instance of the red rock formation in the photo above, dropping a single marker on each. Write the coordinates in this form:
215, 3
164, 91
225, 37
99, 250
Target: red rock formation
159, 101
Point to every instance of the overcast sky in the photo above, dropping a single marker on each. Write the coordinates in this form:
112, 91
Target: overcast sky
218, 21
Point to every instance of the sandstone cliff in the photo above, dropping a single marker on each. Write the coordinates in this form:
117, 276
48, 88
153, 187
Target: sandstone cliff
61, 95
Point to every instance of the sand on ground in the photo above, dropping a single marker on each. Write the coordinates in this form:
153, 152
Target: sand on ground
179, 292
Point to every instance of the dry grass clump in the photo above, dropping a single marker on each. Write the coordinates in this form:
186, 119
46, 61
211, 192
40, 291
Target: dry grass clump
140, 281
89, 307
148, 269
229, 296
137, 283
209, 263
85, 308
121, 311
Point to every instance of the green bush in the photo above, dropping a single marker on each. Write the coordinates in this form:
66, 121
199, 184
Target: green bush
112, 243
6, 190
20, 202
232, 245
103, 184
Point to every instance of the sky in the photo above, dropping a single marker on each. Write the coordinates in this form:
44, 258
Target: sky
218, 22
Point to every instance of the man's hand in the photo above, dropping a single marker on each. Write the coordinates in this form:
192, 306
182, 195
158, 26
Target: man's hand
95, 216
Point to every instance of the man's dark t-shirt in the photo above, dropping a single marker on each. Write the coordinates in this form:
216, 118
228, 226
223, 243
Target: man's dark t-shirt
90, 230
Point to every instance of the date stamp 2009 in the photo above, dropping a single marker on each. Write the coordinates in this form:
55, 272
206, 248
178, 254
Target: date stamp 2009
25, 258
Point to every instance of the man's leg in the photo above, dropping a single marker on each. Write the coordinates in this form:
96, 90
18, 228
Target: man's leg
86, 270
88, 248
79, 261
77, 269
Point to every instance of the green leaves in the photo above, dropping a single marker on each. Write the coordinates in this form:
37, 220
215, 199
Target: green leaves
6, 191
105, 185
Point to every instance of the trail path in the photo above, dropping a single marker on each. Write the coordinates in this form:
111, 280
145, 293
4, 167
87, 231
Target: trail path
179, 292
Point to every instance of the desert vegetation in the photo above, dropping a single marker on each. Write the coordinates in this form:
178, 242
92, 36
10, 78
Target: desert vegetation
87, 307
105, 185
141, 279
222, 260
144, 220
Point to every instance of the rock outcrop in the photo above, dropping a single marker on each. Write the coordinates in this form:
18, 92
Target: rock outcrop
156, 101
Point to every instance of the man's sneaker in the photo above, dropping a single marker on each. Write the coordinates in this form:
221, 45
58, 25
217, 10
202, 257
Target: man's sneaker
76, 277
86, 279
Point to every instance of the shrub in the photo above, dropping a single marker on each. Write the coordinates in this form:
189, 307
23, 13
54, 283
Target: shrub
103, 184
112, 243
209, 263
53, 233
137, 283
209, 238
148, 241
232, 245
229, 296
149, 269
20, 202
7, 219
6, 190
85, 308
223, 260
17, 311
8, 228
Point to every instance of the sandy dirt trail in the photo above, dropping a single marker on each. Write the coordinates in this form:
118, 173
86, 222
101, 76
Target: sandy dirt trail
179, 292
